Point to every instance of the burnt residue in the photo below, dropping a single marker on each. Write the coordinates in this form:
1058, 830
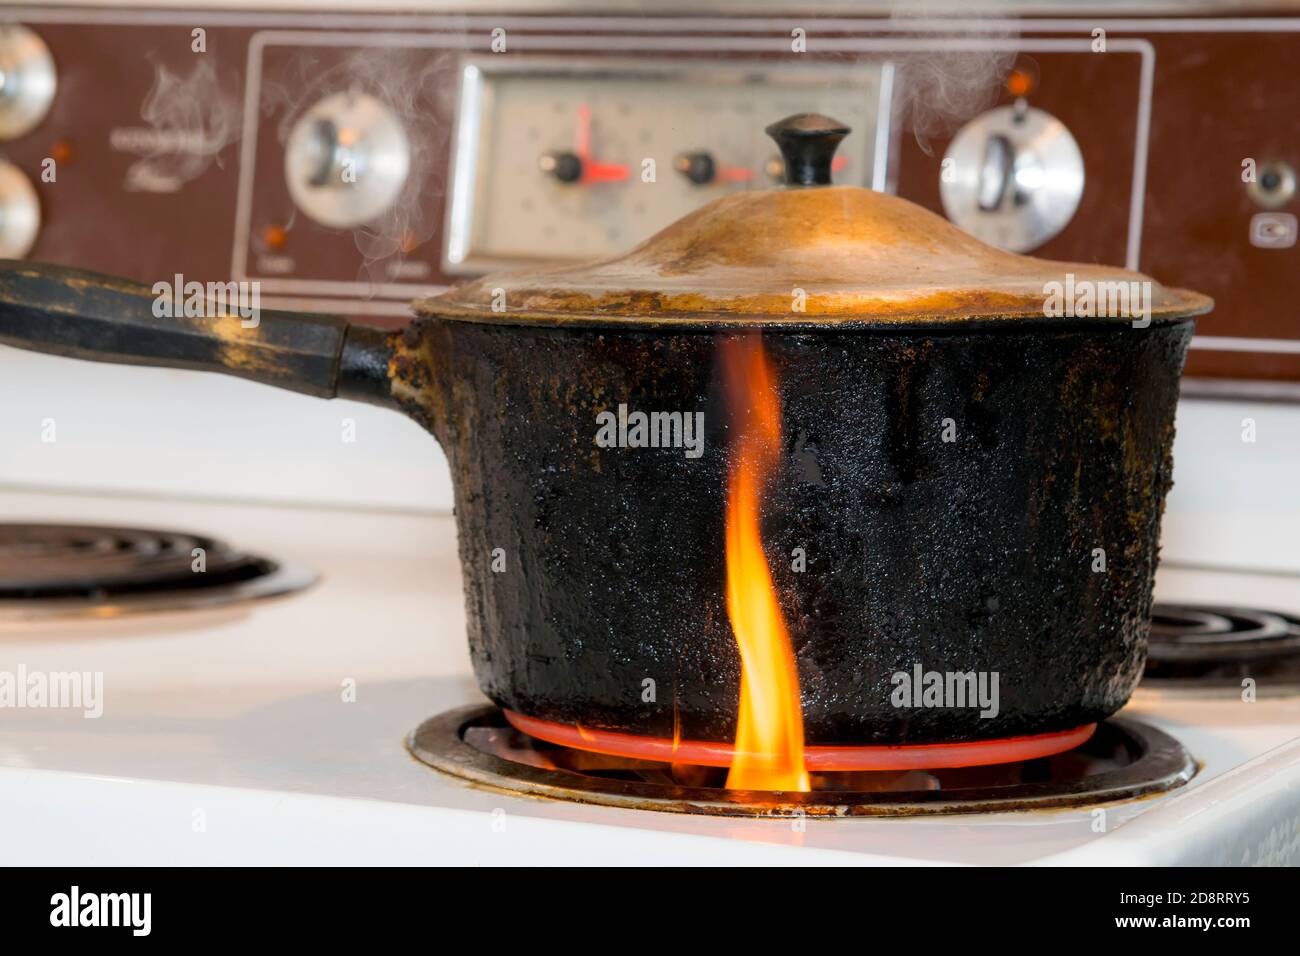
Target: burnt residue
1123, 760
974, 553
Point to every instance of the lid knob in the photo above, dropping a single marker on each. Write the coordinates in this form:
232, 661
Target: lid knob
808, 142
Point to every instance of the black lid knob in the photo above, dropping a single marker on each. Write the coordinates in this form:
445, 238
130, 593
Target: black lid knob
808, 142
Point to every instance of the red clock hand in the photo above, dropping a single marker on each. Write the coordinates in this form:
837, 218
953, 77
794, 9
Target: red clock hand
593, 171
735, 174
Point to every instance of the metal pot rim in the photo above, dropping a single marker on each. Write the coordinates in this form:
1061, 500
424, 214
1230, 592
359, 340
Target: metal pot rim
1189, 306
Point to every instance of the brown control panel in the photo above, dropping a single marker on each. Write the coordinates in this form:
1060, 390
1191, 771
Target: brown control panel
350, 162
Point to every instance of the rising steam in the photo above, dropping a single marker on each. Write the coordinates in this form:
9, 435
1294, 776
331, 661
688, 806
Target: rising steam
418, 86
936, 92
188, 121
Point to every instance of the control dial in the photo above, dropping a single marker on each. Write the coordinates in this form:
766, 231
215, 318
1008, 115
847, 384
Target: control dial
346, 160
27, 80
1012, 177
20, 212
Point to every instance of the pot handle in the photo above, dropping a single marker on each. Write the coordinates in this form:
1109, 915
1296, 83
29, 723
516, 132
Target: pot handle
65, 311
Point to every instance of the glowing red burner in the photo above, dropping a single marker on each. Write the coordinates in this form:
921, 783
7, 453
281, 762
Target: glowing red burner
976, 753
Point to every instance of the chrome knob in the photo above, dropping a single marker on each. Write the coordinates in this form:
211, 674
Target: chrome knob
1273, 186
20, 212
346, 160
27, 80
1012, 177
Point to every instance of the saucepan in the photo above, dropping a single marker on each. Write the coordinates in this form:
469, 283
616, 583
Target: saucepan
820, 413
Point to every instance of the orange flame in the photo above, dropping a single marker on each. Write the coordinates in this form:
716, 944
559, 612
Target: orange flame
769, 732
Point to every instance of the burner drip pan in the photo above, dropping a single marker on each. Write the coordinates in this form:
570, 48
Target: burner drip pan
1122, 760
65, 571
1208, 647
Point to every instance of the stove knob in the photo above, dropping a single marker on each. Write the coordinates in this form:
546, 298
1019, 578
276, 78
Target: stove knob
20, 212
346, 160
27, 80
1273, 185
1012, 177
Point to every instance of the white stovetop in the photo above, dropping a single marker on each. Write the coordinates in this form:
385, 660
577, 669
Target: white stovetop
225, 738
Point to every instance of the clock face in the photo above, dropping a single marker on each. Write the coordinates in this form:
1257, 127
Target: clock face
569, 163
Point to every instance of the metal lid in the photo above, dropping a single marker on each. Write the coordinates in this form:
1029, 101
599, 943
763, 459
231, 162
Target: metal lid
814, 255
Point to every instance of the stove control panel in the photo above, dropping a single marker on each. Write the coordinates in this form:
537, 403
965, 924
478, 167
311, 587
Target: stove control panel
575, 159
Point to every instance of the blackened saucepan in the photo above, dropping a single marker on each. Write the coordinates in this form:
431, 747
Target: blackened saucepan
971, 479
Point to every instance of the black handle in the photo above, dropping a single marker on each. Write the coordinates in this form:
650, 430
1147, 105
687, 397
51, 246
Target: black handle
63, 311
808, 142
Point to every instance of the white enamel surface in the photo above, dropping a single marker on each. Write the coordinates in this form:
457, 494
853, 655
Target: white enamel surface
239, 717
163, 431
